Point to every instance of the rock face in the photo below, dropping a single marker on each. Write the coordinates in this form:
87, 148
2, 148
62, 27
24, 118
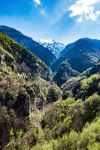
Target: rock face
22, 105
54, 47
81, 54
43, 53
64, 73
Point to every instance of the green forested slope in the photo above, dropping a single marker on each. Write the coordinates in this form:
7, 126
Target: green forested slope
20, 59
35, 114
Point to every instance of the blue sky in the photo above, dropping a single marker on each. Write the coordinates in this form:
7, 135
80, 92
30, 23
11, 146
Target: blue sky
61, 20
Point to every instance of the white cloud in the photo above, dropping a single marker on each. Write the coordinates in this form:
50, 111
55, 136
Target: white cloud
85, 10
38, 2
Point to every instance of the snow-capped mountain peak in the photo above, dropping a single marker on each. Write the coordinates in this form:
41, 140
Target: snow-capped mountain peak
46, 41
54, 47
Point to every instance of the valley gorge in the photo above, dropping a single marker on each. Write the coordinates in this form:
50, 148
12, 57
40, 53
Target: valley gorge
49, 94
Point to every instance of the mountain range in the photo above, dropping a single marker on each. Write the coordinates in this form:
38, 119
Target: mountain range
42, 109
79, 55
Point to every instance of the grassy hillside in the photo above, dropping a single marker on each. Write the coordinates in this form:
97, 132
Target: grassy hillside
22, 100
73, 123
20, 59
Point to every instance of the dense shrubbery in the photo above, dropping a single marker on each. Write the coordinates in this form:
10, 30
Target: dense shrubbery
82, 87
90, 85
22, 95
12, 84
88, 139
70, 125
67, 115
34, 115
61, 125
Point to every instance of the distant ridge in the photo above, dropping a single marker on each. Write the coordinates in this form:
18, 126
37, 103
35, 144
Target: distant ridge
43, 53
82, 54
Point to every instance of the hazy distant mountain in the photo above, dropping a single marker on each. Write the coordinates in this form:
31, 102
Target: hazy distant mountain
54, 47
81, 54
43, 53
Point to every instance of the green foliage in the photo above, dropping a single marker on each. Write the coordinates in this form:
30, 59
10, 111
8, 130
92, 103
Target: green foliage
32, 112
67, 115
86, 83
20, 59
90, 85
92, 107
22, 93
90, 137
6, 123
62, 125
54, 94
2, 50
